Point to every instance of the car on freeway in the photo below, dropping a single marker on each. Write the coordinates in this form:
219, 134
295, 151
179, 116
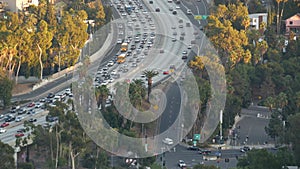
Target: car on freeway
50, 95
119, 41
180, 26
151, 2
110, 63
10, 118
188, 11
31, 120
184, 52
134, 65
5, 124
18, 119
170, 8
2, 130
21, 130
168, 141
189, 47
166, 72
177, 7
174, 12
181, 163
184, 57
193, 148
31, 104
157, 10
173, 39
19, 135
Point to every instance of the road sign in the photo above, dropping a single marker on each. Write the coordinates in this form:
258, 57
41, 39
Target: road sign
197, 137
204, 17
198, 17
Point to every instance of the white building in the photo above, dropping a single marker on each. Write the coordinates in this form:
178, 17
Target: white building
257, 18
19, 5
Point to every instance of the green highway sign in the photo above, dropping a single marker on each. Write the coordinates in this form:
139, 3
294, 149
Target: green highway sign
197, 17
200, 17
204, 17
197, 137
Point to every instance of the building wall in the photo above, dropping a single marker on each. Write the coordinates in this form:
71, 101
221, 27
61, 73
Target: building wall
257, 18
18, 5
292, 22
11, 5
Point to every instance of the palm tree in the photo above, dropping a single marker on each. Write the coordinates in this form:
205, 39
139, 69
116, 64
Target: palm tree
137, 92
150, 74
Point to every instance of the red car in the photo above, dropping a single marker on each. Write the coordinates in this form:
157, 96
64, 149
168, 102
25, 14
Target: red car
19, 135
166, 72
4, 124
31, 105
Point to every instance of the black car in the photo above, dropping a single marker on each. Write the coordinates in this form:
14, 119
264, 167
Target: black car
10, 119
193, 148
50, 95
157, 10
32, 120
150, 2
174, 12
184, 57
22, 130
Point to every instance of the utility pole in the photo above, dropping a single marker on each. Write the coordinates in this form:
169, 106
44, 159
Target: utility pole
221, 121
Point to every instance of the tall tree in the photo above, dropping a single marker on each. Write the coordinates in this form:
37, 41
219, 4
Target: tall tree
7, 156
6, 87
42, 41
149, 75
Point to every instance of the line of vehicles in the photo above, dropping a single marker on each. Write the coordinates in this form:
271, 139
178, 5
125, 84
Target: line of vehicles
17, 115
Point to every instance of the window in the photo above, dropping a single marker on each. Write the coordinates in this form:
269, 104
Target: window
291, 22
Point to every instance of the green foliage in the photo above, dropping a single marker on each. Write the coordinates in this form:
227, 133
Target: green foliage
226, 30
262, 159
294, 135
6, 86
6, 153
200, 166
25, 166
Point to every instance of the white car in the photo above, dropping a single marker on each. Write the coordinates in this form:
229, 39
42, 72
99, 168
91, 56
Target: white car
2, 130
188, 11
18, 119
119, 41
168, 141
181, 163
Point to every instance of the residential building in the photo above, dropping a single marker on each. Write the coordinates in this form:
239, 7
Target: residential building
18, 5
257, 19
293, 24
